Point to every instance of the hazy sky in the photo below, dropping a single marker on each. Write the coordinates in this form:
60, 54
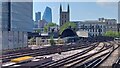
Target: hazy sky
79, 10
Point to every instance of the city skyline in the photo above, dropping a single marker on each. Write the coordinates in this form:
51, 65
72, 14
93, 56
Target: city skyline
96, 10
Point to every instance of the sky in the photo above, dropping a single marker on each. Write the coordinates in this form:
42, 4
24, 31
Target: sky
79, 11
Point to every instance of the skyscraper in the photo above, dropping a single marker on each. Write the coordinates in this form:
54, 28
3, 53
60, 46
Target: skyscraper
37, 16
64, 15
47, 15
16, 21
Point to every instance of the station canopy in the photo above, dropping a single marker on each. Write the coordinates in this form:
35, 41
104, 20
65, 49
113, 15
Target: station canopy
68, 33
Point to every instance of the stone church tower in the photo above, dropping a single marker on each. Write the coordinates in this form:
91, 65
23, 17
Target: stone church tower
64, 16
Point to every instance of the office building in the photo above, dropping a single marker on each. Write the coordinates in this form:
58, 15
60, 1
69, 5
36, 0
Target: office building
47, 16
37, 16
16, 21
42, 24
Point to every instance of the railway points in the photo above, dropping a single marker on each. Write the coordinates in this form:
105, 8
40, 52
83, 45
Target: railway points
98, 54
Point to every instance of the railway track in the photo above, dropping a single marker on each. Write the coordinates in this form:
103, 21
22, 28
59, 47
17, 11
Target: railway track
27, 51
92, 57
77, 60
117, 63
7, 58
33, 53
70, 57
90, 47
95, 58
94, 62
82, 58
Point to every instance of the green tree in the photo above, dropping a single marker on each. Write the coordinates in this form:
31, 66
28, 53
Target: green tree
45, 29
52, 42
31, 40
38, 30
112, 34
119, 34
49, 25
66, 25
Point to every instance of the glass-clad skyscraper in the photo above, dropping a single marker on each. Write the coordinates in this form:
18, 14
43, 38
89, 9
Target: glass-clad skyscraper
47, 15
15, 22
37, 16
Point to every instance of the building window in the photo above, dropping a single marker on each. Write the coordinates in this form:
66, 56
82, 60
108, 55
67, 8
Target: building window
90, 30
62, 21
96, 34
93, 34
65, 21
92, 27
96, 30
62, 16
101, 30
65, 16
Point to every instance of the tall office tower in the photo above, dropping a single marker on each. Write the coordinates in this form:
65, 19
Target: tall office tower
47, 16
37, 16
15, 22
64, 16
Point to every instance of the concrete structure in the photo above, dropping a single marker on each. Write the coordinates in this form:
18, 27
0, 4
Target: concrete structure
47, 15
16, 21
82, 33
64, 15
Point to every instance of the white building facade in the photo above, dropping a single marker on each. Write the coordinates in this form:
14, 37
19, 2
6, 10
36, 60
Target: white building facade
15, 22
111, 24
97, 27
94, 28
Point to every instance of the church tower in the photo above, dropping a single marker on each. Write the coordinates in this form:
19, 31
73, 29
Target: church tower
64, 15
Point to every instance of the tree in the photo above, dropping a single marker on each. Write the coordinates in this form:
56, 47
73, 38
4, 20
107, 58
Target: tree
49, 25
66, 25
52, 42
38, 30
31, 40
45, 29
112, 34
119, 34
